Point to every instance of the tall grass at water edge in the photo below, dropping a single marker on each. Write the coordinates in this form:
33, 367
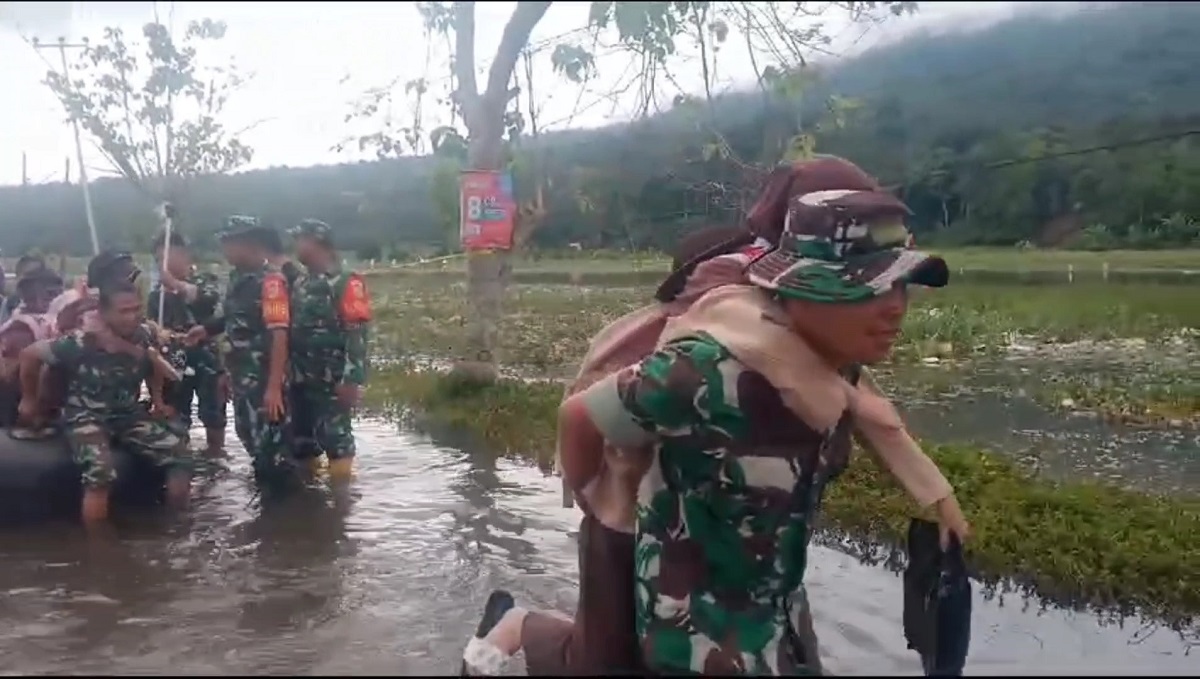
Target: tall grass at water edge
546, 328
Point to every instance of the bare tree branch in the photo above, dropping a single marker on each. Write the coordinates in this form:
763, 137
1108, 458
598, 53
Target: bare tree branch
467, 91
516, 35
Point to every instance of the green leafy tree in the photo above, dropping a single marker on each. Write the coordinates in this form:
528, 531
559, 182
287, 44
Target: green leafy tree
649, 30
154, 108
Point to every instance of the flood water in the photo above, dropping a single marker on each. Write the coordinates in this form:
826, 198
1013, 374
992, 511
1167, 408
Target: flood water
990, 405
389, 579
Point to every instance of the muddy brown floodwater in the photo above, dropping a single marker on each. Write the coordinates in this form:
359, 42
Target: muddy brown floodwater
389, 578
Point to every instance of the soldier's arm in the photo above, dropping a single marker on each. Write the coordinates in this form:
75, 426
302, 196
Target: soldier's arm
355, 312
277, 316
214, 326
155, 379
208, 291
46, 352
627, 409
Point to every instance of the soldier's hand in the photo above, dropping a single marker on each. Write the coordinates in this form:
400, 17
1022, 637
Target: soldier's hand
162, 410
349, 395
223, 387
273, 404
195, 336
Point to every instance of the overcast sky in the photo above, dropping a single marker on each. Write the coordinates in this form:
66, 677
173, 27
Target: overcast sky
299, 52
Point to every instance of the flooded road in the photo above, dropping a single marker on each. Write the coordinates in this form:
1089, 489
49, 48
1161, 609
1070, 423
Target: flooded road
389, 579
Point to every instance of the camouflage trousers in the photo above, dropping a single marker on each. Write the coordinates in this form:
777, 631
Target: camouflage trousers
201, 372
320, 423
204, 389
264, 440
92, 440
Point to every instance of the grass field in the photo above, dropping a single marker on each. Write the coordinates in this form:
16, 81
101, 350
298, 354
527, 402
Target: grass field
998, 260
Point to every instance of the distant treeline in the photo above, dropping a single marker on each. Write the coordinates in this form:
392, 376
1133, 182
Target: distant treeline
951, 121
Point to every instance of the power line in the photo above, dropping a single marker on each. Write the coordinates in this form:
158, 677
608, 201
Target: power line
1093, 149
1026, 160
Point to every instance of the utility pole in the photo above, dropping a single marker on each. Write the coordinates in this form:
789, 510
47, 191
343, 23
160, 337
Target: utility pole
62, 46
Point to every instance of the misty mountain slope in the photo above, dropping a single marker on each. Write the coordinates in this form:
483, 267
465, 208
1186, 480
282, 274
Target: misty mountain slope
1100, 73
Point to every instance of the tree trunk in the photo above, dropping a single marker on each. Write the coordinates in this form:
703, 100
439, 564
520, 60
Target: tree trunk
488, 272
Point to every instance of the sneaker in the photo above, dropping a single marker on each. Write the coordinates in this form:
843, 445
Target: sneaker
485, 656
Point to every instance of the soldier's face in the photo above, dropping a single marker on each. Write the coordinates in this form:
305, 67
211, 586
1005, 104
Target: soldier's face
846, 334
307, 249
236, 253
123, 313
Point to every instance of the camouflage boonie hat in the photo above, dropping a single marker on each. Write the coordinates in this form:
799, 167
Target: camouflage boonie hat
315, 229
844, 246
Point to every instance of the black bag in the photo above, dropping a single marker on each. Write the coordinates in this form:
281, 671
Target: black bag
937, 601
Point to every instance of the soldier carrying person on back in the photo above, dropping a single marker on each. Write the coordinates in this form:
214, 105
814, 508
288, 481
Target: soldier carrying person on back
257, 313
330, 314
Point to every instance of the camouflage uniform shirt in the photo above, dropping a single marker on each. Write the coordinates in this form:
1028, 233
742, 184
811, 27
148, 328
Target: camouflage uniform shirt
102, 385
245, 328
180, 315
724, 511
328, 336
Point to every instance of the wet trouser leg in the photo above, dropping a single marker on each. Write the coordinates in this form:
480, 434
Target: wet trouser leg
600, 640
304, 438
91, 446
210, 399
332, 429
263, 439
178, 395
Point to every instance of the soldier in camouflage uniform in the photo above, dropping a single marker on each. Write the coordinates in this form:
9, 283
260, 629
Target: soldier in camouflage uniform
106, 366
735, 481
330, 313
279, 259
257, 313
193, 298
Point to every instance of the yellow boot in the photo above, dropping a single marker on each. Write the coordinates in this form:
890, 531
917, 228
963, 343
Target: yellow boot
341, 469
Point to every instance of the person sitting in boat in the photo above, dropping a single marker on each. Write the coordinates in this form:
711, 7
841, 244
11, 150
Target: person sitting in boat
106, 364
26, 264
74, 309
76, 306
30, 323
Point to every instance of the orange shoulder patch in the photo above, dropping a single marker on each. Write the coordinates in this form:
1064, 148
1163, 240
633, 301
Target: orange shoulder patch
276, 308
356, 303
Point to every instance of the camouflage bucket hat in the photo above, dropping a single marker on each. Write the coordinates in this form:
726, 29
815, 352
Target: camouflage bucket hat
315, 229
844, 246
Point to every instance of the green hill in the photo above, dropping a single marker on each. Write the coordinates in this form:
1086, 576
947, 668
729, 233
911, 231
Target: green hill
936, 114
